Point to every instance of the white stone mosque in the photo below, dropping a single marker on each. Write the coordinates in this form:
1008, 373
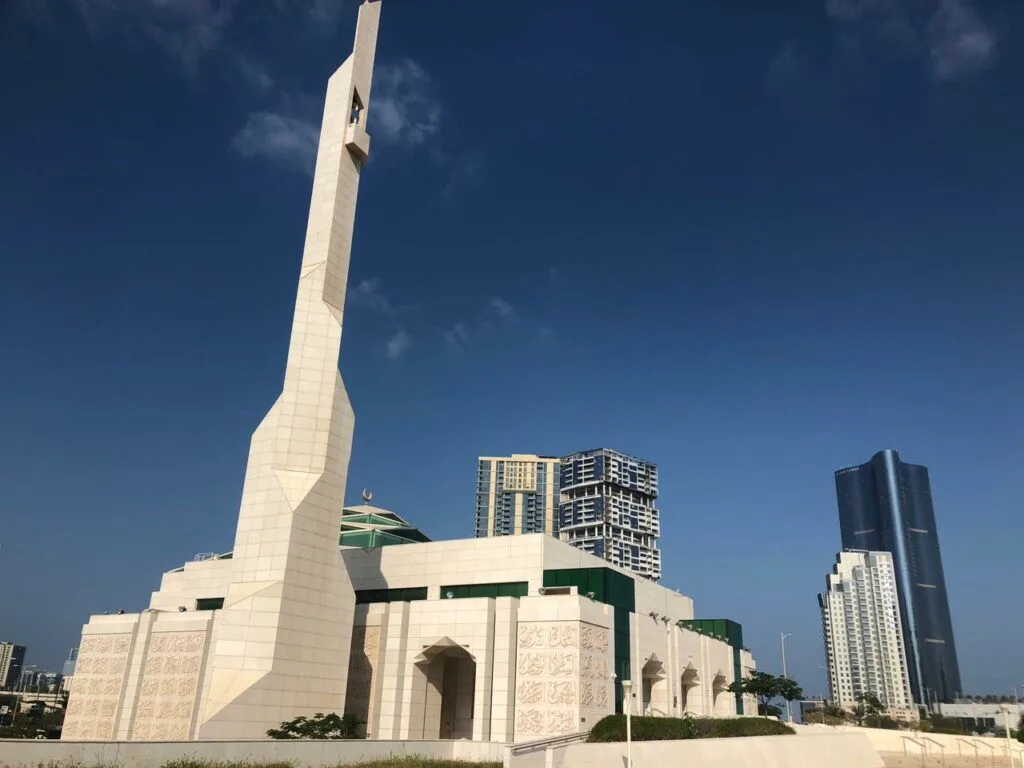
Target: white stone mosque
493, 639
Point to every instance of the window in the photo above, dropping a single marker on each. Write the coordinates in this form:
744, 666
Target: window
398, 595
497, 589
209, 603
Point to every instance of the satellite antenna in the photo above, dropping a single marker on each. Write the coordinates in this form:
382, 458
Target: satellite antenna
367, 496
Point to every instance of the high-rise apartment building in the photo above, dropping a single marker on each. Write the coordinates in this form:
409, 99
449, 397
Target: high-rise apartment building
886, 505
608, 509
860, 618
12, 659
517, 494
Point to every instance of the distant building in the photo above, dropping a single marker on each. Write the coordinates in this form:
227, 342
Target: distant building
608, 509
69, 663
12, 660
863, 633
975, 715
517, 494
886, 505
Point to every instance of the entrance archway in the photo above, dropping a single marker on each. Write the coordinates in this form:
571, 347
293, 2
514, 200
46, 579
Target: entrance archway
655, 688
689, 684
447, 673
719, 702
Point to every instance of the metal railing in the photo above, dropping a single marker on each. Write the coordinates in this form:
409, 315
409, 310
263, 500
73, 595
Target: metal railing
526, 747
923, 743
975, 744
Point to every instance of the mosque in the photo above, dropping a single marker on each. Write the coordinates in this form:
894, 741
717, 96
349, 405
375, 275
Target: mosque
317, 609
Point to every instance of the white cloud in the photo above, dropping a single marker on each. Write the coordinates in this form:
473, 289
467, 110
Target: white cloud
254, 74
948, 33
959, 43
398, 345
286, 140
186, 29
457, 336
503, 309
404, 108
367, 294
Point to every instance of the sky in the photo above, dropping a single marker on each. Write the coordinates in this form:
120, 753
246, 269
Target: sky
752, 243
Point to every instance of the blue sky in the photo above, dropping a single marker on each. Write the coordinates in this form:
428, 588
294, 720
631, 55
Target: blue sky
750, 245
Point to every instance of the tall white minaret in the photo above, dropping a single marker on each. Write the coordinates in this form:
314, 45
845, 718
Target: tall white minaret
280, 646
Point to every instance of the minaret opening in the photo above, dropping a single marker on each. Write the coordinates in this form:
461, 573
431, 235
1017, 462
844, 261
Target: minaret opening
357, 108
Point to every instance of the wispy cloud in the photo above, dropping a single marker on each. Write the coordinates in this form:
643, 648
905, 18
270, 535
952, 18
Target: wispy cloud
398, 345
503, 310
496, 313
949, 34
958, 41
457, 337
784, 68
198, 33
186, 29
367, 294
289, 141
404, 108
465, 170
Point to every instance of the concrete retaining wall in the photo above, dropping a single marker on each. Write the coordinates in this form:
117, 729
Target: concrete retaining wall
893, 742
836, 750
26, 753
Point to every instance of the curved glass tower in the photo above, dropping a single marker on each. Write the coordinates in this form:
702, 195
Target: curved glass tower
885, 505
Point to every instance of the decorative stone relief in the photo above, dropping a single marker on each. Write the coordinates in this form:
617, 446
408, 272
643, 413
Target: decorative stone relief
595, 672
362, 663
563, 676
170, 684
99, 679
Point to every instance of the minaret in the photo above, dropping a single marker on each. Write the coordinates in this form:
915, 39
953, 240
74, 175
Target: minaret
280, 646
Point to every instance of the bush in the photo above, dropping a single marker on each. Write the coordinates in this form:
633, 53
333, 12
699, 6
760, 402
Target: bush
613, 728
320, 726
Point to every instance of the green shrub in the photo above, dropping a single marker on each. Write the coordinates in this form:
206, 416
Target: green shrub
613, 728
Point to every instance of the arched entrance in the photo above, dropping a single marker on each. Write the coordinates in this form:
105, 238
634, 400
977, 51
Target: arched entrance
720, 697
446, 674
689, 684
655, 688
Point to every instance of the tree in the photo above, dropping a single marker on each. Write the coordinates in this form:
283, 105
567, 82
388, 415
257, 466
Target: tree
320, 726
789, 689
1020, 729
766, 688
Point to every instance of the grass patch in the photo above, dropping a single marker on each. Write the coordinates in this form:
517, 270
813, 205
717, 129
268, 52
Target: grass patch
411, 761
613, 728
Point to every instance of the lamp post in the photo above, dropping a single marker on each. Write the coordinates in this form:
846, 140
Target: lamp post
782, 638
627, 686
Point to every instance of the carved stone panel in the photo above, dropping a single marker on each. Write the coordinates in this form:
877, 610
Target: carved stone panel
548, 668
170, 685
99, 680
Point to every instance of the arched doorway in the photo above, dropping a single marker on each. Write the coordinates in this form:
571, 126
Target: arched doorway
689, 684
446, 674
655, 688
720, 698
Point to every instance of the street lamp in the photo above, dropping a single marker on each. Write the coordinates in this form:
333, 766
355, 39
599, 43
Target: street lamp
627, 686
782, 638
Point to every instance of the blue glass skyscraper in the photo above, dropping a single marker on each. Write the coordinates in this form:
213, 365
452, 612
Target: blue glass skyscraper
886, 505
